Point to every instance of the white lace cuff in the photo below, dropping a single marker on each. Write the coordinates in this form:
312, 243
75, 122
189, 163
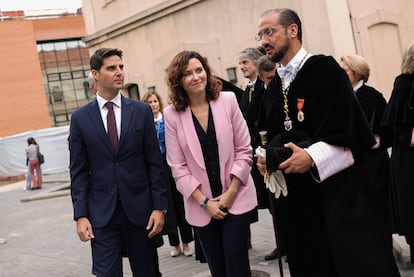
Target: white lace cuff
328, 160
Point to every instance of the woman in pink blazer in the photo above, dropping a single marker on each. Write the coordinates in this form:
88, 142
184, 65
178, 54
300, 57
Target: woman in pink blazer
208, 150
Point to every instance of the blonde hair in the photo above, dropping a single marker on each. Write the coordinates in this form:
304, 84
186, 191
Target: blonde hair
407, 65
358, 65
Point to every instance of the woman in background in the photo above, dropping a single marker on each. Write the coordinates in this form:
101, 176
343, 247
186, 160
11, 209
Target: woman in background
375, 165
32, 151
175, 215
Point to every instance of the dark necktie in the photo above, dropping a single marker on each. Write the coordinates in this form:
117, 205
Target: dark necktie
111, 124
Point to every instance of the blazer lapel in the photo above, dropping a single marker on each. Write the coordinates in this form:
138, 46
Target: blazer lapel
191, 136
222, 126
126, 115
96, 119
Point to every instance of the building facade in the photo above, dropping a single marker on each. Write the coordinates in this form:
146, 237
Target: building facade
46, 65
47, 57
151, 32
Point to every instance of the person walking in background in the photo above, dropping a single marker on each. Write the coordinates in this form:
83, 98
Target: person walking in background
175, 216
32, 152
398, 123
208, 150
250, 104
28, 176
375, 162
317, 129
118, 194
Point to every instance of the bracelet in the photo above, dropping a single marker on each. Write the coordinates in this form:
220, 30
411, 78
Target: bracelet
204, 203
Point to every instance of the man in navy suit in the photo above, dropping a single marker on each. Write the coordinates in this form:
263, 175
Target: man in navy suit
119, 199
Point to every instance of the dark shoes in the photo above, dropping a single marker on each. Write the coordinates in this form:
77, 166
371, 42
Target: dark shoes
33, 188
275, 254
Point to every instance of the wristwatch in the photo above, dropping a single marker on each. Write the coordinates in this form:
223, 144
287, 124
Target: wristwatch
204, 203
164, 211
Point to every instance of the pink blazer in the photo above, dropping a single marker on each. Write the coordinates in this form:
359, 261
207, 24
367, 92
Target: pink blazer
185, 157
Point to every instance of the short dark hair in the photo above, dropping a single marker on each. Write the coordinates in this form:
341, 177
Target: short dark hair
264, 64
178, 96
287, 17
96, 61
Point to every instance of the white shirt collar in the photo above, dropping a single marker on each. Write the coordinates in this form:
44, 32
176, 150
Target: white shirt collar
287, 72
158, 118
251, 83
116, 100
359, 85
295, 61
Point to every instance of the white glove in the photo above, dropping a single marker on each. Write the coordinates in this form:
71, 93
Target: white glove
276, 182
260, 152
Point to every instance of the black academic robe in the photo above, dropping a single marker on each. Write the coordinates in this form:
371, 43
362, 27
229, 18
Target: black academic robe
330, 227
251, 111
375, 163
398, 123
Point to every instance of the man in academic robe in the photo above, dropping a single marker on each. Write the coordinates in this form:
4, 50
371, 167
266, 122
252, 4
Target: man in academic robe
329, 224
398, 126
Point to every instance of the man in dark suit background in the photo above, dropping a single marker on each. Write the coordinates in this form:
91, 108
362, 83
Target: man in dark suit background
118, 196
250, 105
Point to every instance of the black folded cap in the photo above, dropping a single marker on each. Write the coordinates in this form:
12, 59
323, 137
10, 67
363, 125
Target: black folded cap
276, 153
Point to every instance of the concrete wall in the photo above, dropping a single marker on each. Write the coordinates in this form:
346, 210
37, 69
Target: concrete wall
152, 32
382, 29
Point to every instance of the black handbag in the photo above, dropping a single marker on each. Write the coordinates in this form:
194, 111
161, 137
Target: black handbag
40, 157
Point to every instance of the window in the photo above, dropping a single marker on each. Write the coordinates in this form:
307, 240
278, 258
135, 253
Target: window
232, 75
65, 66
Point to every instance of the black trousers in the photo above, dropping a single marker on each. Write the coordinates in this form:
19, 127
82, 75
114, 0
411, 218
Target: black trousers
224, 243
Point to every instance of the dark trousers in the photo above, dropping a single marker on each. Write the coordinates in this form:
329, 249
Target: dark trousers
120, 234
185, 229
224, 244
278, 219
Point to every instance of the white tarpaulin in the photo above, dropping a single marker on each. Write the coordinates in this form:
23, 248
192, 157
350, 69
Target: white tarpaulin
53, 145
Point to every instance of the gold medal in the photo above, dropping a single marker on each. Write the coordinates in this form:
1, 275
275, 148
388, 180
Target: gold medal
301, 116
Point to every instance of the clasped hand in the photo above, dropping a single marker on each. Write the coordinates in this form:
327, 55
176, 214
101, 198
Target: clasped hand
299, 162
217, 207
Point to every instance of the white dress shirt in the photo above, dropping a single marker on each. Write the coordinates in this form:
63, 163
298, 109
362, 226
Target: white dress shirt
117, 111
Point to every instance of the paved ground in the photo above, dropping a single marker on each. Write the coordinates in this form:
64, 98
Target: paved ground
40, 238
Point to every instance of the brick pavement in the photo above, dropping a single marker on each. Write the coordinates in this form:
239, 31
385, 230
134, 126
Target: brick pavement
41, 240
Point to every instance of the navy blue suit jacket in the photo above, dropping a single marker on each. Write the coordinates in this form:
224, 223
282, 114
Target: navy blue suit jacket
98, 172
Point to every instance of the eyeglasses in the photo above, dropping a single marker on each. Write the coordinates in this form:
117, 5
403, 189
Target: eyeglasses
267, 32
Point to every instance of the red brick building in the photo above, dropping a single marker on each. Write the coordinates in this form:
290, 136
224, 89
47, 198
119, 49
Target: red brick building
45, 65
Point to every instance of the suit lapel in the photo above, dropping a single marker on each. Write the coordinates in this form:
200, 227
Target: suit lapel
222, 126
191, 136
96, 119
126, 115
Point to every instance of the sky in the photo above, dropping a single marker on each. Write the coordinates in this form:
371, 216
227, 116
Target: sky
29, 5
